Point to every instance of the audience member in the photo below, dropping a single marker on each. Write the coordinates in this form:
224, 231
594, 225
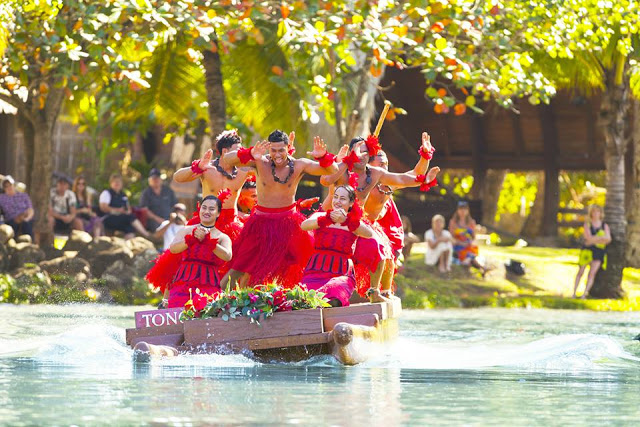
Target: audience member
115, 205
169, 227
62, 208
439, 245
85, 215
594, 251
463, 227
409, 238
16, 208
158, 199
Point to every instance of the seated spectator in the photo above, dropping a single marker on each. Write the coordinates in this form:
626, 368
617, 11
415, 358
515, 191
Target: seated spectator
62, 208
158, 199
409, 238
463, 229
16, 208
85, 216
118, 217
248, 197
439, 245
169, 227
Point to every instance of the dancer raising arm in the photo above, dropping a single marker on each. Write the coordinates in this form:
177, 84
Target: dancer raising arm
272, 247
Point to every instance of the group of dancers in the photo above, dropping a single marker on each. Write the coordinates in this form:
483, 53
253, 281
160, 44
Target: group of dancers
351, 242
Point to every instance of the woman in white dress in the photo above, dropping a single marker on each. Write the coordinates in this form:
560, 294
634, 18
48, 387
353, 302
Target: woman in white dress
439, 245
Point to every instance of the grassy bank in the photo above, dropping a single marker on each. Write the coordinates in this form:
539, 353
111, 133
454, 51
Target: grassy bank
547, 283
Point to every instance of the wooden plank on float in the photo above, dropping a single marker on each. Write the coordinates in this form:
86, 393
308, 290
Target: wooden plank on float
153, 331
216, 330
381, 309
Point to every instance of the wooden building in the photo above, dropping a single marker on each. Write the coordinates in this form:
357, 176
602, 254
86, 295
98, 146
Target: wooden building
550, 138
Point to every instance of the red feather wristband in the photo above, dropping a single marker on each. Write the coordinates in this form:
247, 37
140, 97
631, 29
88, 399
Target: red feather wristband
426, 186
326, 160
427, 154
325, 220
244, 155
351, 160
195, 167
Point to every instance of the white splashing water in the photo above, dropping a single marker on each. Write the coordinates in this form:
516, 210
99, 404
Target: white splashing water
101, 348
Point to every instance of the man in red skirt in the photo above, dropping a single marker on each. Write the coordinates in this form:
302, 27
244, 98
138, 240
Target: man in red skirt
272, 247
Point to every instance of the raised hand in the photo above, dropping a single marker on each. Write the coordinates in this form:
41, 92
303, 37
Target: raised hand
356, 149
319, 148
260, 149
205, 161
342, 153
292, 137
426, 142
433, 172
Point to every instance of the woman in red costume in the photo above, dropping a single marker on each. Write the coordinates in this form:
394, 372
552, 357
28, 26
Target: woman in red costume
330, 268
202, 249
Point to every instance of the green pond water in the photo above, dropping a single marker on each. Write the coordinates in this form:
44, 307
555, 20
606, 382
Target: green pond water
69, 365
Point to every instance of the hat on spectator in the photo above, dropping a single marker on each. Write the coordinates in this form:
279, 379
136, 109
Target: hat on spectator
8, 179
463, 204
179, 207
154, 172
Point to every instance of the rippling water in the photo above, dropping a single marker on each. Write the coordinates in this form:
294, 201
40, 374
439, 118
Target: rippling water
63, 365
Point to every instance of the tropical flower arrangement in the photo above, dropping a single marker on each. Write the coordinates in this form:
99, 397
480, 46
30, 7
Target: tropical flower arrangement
257, 303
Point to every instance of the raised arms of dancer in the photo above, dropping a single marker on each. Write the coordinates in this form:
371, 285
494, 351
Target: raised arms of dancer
324, 163
337, 217
189, 173
415, 177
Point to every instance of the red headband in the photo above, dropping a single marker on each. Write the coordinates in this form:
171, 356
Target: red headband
373, 145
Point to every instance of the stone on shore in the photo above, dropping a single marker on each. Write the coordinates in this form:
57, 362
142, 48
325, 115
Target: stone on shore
74, 267
78, 241
6, 233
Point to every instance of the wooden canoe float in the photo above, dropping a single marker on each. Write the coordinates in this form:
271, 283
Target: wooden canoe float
345, 332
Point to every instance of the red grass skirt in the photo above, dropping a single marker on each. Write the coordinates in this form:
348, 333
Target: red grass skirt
332, 274
272, 247
229, 224
368, 255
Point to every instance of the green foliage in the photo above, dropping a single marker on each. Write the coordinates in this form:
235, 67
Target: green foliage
255, 303
455, 182
518, 194
36, 289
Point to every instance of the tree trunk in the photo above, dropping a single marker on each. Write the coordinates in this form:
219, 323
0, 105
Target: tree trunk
29, 138
41, 180
215, 92
612, 119
633, 217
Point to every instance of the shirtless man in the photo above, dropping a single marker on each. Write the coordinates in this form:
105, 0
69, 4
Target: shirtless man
373, 252
218, 175
272, 247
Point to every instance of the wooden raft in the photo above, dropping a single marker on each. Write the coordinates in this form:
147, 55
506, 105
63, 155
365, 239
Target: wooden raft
283, 330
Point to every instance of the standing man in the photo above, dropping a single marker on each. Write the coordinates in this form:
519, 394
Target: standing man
219, 175
158, 199
16, 208
272, 246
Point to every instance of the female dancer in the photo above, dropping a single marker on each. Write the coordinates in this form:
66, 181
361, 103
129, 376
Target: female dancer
330, 268
204, 249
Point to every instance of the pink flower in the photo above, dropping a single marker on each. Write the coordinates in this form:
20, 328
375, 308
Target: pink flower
253, 298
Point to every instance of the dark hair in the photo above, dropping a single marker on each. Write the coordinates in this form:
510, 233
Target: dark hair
249, 184
350, 191
354, 141
226, 139
212, 197
278, 136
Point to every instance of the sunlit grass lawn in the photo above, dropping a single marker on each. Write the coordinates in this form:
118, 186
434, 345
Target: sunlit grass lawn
548, 282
